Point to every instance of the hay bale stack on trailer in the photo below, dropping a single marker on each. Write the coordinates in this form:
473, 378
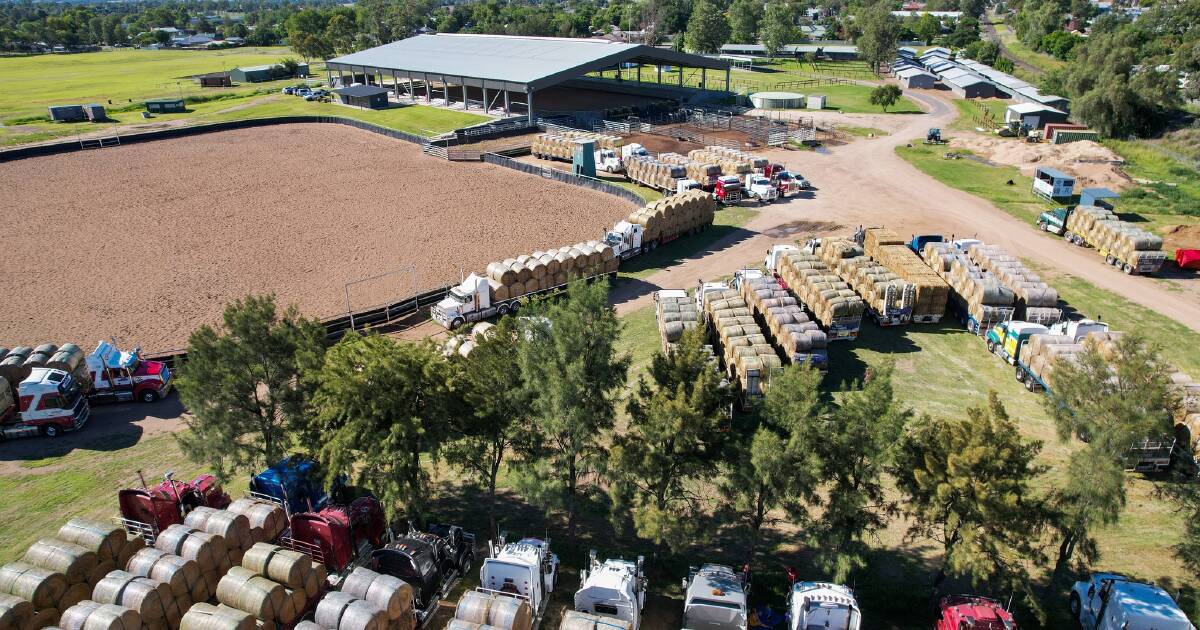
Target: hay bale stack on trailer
745, 353
182, 577
108, 541
826, 296
729, 164
233, 527
339, 610
267, 520
676, 312
204, 616
208, 551
706, 173
670, 217
90, 615
930, 290
889, 299
44, 590
800, 339
303, 580
1187, 418
153, 601
756, 163
388, 593
560, 145
1122, 244
1044, 353
1036, 302
977, 298
265, 599
658, 175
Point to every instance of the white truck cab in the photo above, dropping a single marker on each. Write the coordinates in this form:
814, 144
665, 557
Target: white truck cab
823, 605
609, 161
1110, 601
614, 588
706, 289
714, 599
1078, 329
684, 185
525, 569
633, 149
469, 301
745, 275
760, 188
625, 238
776, 254
48, 402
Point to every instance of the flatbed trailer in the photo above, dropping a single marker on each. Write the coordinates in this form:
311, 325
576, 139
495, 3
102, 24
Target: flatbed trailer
958, 308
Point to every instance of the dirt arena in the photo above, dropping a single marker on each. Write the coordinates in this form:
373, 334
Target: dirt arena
146, 242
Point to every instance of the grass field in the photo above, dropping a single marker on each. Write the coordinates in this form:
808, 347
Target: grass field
1172, 188
1041, 61
979, 179
970, 109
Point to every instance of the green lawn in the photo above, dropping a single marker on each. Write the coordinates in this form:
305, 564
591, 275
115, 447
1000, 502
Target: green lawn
970, 116
861, 132
1172, 187
981, 180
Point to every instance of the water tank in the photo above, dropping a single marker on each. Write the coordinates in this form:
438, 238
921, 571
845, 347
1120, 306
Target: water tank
777, 100
816, 102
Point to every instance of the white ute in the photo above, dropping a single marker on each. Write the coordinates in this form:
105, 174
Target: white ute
525, 569
715, 599
1109, 601
614, 588
823, 605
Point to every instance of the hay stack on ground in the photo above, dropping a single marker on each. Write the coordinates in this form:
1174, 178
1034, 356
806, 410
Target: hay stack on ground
15, 613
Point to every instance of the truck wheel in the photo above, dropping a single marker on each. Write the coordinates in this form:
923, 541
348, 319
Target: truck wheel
514, 306
1076, 606
466, 563
991, 347
1030, 385
148, 396
51, 430
1020, 375
1109, 259
1128, 269
503, 310
458, 321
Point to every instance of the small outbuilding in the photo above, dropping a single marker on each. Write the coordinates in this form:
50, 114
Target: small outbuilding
215, 79
916, 79
1053, 184
258, 74
67, 113
165, 106
1033, 115
368, 96
970, 86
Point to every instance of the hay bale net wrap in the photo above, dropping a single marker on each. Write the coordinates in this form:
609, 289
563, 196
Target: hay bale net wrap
181, 575
42, 588
91, 615
289, 568
342, 611
267, 520
14, 611
248, 591
233, 527
75, 562
510, 613
387, 593
151, 599
203, 616
104, 539
186, 542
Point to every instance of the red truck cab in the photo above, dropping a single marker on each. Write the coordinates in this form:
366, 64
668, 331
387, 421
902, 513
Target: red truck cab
121, 376
972, 612
148, 510
338, 534
728, 189
48, 402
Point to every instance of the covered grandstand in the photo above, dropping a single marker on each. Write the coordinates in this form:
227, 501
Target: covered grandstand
501, 74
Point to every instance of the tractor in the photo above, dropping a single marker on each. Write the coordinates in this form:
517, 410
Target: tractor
934, 136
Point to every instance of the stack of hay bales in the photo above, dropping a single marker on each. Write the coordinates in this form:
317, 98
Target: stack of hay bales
674, 216
575, 620
390, 594
340, 610
653, 173
730, 164
70, 358
1043, 353
273, 584
704, 173
931, 291
12, 365
800, 339
478, 610
824, 293
561, 145
208, 551
978, 294
90, 615
182, 577
78, 565
1124, 241
675, 316
747, 354
881, 290
1036, 301
530, 273
267, 520
233, 527
1188, 415
758, 163
154, 601
204, 616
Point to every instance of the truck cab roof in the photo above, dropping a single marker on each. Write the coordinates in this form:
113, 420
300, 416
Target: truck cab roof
1024, 329
664, 294
1150, 605
715, 584
614, 580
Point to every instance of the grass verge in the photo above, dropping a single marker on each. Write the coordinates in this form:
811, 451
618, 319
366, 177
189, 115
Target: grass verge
726, 224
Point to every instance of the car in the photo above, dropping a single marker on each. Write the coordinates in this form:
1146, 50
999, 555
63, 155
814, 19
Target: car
302, 92
289, 90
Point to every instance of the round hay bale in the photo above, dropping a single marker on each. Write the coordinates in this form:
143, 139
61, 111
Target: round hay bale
575, 620
202, 616
179, 574
36, 360
132, 546
342, 611
74, 594
186, 542
34, 584
268, 518
275, 563
43, 618
73, 561
132, 591
104, 539
14, 611
389, 594
233, 527
246, 590
473, 607
523, 272
510, 613
459, 624
102, 569
90, 615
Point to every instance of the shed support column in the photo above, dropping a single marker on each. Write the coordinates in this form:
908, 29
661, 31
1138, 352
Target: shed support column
485, 101
507, 110
466, 102
659, 73
639, 73
426, 79
726, 79
529, 106
703, 77
329, 76
396, 85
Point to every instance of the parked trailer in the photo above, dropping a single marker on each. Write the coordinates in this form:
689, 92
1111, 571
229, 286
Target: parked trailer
977, 299
798, 339
930, 292
1122, 244
660, 222
889, 299
823, 294
746, 355
513, 576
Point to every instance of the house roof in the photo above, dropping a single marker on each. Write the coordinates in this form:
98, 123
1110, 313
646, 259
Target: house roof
940, 65
511, 62
913, 72
1032, 108
955, 72
361, 90
1053, 172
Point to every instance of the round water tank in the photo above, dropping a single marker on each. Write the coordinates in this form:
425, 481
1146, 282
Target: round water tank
777, 100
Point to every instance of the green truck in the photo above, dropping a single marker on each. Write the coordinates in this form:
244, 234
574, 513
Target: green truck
1054, 221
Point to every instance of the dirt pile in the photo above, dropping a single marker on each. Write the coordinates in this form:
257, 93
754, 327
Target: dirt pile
146, 242
1181, 237
1093, 164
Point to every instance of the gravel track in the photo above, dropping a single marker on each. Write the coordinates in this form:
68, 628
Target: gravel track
146, 242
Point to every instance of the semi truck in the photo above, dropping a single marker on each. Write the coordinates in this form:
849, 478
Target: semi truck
1007, 339
746, 355
786, 181
1110, 601
526, 570
149, 510
728, 190
715, 599
839, 315
759, 188
613, 589
433, 562
797, 338
1122, 244
122, 376
823, 605
46, 402
472, 300
963, 612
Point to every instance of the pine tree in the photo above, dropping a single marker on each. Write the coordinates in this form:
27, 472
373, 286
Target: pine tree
966, 485
242, 385
570, 365
498, 420
380, 406
673, 439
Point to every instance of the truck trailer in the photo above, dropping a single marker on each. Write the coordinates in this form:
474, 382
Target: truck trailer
1122, 244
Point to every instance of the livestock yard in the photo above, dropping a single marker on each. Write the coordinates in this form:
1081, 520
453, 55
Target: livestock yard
169, 231
146, 240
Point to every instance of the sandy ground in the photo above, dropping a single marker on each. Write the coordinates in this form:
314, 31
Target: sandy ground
180, 227
1092, 164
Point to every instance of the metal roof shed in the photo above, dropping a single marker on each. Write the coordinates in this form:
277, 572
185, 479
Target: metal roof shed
970, 86
505, 63
1097, 197
369, 96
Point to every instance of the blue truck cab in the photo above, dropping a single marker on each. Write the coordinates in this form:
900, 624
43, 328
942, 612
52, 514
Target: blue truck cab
919, 240
294, 483
1007, 339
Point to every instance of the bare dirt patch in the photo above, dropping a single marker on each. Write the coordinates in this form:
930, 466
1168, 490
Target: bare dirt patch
146, 242
1181, 237
1092, 163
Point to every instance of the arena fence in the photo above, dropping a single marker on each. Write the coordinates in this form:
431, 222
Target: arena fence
565, 177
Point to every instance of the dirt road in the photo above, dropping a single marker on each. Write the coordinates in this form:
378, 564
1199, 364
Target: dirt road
866, 183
